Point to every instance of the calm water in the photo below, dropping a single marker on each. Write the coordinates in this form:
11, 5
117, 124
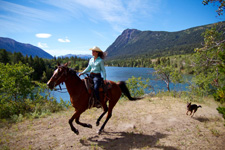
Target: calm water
122, 74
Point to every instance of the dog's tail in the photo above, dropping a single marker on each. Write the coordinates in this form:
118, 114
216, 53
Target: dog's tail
199, 106
125, 90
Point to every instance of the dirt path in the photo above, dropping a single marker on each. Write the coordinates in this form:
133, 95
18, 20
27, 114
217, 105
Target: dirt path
151, 123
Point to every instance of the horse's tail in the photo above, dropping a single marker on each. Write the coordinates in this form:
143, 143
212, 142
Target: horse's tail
125, 90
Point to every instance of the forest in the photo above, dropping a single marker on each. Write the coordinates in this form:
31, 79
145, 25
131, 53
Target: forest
43, 68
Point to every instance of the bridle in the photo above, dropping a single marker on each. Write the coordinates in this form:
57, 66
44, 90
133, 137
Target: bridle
64, 73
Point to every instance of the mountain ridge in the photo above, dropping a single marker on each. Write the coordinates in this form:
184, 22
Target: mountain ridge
83, 56
12, 46
132, 42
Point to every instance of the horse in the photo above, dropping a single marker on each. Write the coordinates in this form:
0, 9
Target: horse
79, 95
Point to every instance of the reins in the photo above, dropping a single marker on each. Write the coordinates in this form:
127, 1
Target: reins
60, 89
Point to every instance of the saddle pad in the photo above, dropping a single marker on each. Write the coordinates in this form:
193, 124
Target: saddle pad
89, 86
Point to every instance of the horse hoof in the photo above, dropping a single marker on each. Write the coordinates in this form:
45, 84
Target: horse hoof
76, 131
89, 125
99, 132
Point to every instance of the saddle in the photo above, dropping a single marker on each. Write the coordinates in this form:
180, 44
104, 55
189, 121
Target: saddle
104, 87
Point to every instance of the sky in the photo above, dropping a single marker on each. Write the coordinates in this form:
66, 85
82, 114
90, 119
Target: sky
63, 27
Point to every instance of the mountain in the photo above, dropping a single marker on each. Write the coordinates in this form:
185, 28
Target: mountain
132, 43
83, 56
11, 45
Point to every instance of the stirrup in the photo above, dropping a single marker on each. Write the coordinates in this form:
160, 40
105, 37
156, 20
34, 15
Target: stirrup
97, 104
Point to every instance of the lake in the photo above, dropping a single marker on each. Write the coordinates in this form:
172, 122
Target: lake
122, 74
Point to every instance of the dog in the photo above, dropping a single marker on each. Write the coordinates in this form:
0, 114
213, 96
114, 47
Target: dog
192, 108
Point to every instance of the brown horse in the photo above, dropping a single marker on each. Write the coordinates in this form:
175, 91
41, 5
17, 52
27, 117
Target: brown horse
79, 95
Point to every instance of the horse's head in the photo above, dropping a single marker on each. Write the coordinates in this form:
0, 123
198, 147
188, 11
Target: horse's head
59, 76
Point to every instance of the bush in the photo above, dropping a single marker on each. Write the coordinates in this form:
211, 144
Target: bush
222, 111
137, 86
15, 87
220, 95
19, 96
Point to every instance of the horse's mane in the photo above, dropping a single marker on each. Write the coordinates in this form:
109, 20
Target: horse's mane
72, 71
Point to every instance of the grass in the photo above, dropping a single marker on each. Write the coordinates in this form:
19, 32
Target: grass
215, 132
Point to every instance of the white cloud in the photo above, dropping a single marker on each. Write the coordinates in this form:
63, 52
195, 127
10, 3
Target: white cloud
42, 45
64, 40
43, 35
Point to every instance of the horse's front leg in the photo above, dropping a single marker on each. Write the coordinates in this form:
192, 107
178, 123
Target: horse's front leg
75, 115
83, 124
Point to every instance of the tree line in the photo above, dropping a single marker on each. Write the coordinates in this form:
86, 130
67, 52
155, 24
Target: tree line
43, 68
181, 62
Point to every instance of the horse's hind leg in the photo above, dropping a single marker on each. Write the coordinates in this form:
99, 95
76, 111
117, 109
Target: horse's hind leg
107, 119
109, 115
105, 111
114, 95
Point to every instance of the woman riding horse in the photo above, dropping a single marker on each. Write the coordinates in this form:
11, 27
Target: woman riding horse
96, 66
79, 95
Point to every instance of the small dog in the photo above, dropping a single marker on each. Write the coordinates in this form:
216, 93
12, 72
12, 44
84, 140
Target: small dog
191, 108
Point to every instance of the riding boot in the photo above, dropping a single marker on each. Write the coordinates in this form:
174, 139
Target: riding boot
97, 103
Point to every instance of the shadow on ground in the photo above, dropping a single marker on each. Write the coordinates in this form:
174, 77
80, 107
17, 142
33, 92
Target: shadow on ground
126, 141
202, 119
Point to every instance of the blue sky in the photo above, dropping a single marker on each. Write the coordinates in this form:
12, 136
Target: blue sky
63, 27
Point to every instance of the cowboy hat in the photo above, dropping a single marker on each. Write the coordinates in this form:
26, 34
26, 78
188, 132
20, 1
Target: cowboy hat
95, 48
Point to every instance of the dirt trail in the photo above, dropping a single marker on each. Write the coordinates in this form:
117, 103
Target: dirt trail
150, 123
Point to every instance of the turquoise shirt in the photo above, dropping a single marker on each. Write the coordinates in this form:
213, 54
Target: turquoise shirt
96, 66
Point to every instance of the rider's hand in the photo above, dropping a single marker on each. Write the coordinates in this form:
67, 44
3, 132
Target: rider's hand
80, 74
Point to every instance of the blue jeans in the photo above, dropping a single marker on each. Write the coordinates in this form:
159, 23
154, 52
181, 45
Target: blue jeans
97, 79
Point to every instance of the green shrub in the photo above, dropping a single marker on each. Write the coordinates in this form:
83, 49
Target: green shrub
19, 96
222, 111
220, 95
137, 86
16, 118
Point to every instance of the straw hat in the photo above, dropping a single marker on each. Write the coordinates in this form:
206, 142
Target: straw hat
95, 48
